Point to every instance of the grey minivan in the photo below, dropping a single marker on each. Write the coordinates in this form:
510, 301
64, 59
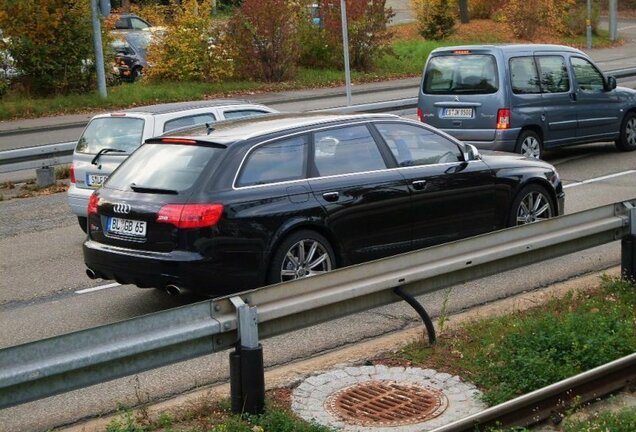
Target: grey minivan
524, 98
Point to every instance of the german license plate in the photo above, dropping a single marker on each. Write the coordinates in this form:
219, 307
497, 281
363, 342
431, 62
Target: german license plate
127, 227
95, 180
458, 112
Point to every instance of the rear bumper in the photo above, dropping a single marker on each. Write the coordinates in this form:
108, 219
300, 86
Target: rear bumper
505, 139
78, 199
188, 270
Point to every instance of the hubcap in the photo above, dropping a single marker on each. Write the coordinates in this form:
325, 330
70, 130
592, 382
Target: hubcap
534, 207
530, 147
304, 259
630, 132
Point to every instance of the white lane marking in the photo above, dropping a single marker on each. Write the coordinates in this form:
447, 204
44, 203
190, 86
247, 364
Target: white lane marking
625, 28
97, 288
597, 179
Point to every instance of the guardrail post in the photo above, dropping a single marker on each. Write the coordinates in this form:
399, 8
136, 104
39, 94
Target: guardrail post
45, 176
628, 248
247, 373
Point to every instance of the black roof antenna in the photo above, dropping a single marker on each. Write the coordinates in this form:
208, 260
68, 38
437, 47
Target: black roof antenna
209, 128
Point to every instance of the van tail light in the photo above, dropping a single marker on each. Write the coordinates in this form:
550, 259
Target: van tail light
190, 215
92, 204
71, 173
503, 118
420, 114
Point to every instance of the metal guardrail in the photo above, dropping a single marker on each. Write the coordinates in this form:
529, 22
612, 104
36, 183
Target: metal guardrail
57, 154
63, 363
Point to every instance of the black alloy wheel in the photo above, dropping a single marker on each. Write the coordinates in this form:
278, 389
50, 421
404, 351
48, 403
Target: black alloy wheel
302, 254
532, 204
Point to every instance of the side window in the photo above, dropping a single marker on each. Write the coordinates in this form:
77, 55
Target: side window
192, 120
523, 76
138, 24
588, 78
554, 74
413, 145
122, 23
243, 113
346, 150
274, 162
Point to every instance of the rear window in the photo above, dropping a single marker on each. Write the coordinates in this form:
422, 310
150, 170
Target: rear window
163, 166
461, 74
120, 133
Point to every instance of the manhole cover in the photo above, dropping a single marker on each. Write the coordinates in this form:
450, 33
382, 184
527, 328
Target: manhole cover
386, 403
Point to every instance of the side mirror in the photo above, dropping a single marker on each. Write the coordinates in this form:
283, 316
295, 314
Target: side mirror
472, 153
610, 84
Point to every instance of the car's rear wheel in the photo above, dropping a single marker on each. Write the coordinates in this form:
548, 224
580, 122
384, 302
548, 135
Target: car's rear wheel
83, 222
529, 144
302, 254
627, 139
532, 204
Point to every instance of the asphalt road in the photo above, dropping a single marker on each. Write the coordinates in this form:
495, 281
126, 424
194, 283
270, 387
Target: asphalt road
42, 292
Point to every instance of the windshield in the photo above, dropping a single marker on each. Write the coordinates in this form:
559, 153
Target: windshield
121, 133
163, 166
461, 74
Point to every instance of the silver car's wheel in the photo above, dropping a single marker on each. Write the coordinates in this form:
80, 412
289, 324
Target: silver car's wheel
303, 254
532, 205
627, 139
529, 144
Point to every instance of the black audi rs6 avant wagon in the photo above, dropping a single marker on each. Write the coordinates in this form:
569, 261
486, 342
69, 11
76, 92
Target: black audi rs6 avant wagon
241, 204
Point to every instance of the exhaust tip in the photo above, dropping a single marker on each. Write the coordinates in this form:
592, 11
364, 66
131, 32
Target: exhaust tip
173, 290
91, 273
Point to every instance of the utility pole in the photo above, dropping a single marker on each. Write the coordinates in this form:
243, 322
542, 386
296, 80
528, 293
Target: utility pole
345, 48
97, 40
588, 24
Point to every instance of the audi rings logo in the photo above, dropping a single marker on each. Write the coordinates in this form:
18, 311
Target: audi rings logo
122, 208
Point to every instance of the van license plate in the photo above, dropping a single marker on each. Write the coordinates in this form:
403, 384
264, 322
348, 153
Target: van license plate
95, 180
458, 112
127, 227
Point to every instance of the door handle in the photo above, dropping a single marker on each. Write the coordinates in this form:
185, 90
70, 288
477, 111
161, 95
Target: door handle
331, 196
419, 184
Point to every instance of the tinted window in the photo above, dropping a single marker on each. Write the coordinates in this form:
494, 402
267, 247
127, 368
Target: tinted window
186, 121
554, 74
346, 150
523, 75
587, 76
122, 23
461, 74
163, 166
274, 162
412, 145
121, 133
138, 24
243, 113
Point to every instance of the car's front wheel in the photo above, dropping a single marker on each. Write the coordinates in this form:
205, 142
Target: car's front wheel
627, 139
532, 204
529, 144
302, 254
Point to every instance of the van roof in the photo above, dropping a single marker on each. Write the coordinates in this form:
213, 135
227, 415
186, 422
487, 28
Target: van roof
182, 106
508, 48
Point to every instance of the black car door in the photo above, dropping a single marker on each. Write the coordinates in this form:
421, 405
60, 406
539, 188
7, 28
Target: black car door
366, 205
450, 198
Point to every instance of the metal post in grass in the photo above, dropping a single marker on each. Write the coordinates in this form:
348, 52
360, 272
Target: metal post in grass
104, 7
247, 372
628, 247
588, 24
613, 25
345, 49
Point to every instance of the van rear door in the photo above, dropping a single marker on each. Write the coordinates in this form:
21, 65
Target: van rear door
460, 93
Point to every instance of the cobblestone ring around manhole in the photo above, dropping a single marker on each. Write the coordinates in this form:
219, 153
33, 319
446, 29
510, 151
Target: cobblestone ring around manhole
386, 403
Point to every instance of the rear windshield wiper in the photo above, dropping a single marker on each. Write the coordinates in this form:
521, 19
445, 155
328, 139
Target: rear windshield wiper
145, 189
106, 150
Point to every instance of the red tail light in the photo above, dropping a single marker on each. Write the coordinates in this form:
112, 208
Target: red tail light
503, 118
190, 215
420, 114
71, 173
92, 204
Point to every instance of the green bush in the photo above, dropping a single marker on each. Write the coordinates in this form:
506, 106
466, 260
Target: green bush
51, 42
435, 18
266, 36
622, 421
193, 48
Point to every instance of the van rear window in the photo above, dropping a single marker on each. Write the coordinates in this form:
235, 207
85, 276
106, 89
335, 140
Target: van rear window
461, 74
120, 133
